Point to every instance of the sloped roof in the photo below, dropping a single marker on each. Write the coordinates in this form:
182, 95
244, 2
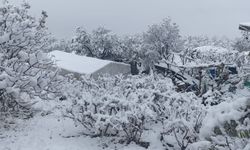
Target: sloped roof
245, 26
78, 64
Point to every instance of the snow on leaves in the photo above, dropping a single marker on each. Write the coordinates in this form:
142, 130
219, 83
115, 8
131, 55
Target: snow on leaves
25, 68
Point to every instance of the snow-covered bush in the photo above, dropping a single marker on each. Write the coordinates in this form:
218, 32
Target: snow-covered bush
25, 70
127, 109
183, 120
101, 43
219, 127
226, 126
220, 88
243, 43
81, 43
62, 45
211, 55
192, 42
120, 106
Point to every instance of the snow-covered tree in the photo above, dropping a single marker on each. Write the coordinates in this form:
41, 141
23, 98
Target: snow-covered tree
243, 43
131, 47
148, 58
63, 45
164, 38
192, 42
101, 43
81, 43
26, 71
105, 44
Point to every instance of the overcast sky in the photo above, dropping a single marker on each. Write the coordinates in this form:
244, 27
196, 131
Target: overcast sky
194, 17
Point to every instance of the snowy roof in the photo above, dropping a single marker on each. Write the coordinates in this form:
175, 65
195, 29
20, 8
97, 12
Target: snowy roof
245, 26
75, 63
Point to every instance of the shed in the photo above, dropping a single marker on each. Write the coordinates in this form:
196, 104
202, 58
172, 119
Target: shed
191, 67
70, 63
245, 26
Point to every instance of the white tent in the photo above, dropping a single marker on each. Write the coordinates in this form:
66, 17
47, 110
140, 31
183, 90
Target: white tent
82, 65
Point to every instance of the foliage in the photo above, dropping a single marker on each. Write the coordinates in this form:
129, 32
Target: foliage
226, 125
63, 45
118, 107
26, 71
105, 44
131, 48
164, 38
101, 43
81, 44
192, 42
243, 43
185, 116
126, 108
158, 42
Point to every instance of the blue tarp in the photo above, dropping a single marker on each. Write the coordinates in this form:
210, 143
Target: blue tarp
213, 73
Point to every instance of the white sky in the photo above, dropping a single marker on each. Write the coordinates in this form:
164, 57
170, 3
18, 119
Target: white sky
195, 17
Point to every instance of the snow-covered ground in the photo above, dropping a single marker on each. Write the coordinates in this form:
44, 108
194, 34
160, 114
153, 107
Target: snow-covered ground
54, 132
44, 133
49, 133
